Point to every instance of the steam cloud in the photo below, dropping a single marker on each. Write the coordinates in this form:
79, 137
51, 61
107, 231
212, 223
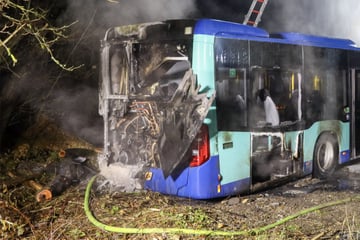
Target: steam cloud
121, 12
331, 18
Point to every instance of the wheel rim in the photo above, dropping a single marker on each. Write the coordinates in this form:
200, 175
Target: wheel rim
325, 156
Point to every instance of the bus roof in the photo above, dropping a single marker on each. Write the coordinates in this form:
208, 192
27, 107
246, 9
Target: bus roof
240, 31
216, 27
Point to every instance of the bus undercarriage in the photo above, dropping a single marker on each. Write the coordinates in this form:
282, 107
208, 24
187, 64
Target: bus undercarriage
273, 160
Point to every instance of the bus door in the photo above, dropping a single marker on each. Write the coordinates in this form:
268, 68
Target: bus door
233, 142
355, 112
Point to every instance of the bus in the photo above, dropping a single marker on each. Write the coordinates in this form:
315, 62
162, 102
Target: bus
210, 108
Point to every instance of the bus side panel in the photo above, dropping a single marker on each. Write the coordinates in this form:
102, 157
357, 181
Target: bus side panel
291, 141
344, 143
194, 182
203, 66
234, 156
203, 61
294, 142
237, 187
342, 130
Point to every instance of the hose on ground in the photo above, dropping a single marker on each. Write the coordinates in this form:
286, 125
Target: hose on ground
251, 232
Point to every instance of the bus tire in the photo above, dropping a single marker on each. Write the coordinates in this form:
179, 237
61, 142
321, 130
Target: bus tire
325, 156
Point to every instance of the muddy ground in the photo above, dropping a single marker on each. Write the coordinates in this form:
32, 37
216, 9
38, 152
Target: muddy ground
305, 209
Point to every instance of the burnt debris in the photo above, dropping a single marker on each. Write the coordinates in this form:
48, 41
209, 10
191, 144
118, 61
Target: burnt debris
159, 132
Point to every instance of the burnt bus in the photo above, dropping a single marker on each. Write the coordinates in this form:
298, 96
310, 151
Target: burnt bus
211, 108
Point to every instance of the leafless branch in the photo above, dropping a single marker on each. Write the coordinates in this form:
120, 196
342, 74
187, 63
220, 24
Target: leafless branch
18, 19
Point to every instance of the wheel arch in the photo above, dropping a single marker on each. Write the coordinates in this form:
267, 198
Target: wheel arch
331, 133
324, 139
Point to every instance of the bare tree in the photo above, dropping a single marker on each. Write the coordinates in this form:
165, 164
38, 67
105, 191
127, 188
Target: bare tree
18, 19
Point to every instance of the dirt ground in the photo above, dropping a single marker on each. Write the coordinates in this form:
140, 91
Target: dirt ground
305, 209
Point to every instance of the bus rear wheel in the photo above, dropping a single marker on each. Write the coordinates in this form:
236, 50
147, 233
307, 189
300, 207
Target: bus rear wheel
325, 156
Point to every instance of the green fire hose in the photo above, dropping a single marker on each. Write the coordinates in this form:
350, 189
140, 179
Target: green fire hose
251, 232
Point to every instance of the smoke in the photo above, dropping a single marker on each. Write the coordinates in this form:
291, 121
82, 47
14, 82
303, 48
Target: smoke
122, 12
330, 18
77, 112
322, 17
120, 177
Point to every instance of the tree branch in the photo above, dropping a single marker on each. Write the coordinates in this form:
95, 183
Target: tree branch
19, 20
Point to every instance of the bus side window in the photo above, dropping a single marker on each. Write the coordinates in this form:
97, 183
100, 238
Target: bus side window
293, 101
118, 72
315, 101
271, 113
315, 105
230, 98
292, 107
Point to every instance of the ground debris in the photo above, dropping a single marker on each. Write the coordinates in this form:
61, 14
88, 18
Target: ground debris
63, 217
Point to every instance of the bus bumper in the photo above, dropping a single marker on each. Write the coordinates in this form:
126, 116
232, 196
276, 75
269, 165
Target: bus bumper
202, 182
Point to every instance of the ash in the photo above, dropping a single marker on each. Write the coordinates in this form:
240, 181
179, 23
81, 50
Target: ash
119, 177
